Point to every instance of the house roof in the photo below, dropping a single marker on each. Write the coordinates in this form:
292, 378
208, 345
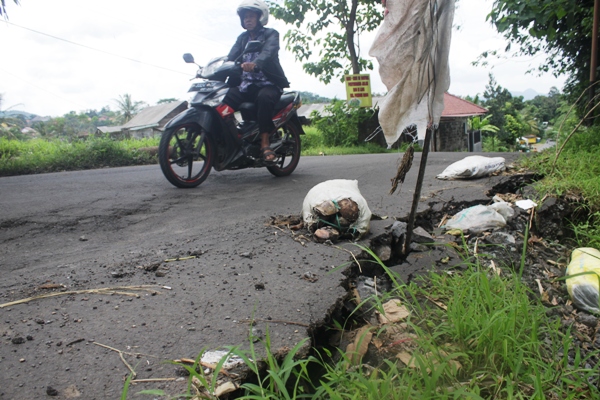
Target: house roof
453, 107
150, 117
456, 107
109, 129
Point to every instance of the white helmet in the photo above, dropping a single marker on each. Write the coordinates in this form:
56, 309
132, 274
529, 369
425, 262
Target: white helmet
258, 6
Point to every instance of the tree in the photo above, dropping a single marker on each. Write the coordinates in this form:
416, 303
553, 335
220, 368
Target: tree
3, 8
311, 98
560, 28
482, 124
128, 107
500, 103
545, 108
169, 100
334, 28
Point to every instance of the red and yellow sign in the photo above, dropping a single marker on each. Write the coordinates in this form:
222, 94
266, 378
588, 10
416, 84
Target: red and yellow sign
358, 87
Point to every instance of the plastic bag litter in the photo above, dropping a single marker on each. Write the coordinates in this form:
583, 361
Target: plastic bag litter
481, 218
336, 190
583, 289
473, 167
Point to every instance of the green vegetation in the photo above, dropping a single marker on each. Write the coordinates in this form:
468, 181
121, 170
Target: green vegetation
40, 155
561, 30
313, 144
340, 122
471, 334
337, 52
574, 172
511, 117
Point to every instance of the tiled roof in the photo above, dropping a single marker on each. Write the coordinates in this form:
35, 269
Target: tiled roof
456, 107
453, 107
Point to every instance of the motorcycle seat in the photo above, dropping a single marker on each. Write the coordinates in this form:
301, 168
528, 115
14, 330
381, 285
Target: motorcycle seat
248, 109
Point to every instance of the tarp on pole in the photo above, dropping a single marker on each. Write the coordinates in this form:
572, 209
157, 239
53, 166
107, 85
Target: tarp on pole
412, 47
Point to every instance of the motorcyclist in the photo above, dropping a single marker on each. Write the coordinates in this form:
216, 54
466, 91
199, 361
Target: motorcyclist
263, 79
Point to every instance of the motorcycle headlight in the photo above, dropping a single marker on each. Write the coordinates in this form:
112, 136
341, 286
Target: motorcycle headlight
213, 65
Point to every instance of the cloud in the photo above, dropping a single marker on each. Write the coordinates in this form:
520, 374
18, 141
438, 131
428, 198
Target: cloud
135, 47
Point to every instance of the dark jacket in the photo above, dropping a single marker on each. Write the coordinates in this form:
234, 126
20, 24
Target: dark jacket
268, 58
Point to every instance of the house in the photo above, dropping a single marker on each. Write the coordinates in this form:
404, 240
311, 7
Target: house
451, 135
147, 123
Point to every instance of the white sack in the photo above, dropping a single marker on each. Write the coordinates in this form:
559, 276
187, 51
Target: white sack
337, 189
412, 47
473, 167
481, 218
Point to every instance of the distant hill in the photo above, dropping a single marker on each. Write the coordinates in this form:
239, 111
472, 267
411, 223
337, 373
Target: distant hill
311, 98
14, 113
528, 94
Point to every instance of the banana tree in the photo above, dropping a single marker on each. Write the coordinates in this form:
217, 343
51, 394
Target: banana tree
484, 126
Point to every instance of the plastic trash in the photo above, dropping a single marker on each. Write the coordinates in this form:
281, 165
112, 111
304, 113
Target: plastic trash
525, 204
481, 218
583, 289
334, 191
473, 167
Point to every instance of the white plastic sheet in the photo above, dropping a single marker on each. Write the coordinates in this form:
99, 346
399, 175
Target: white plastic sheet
412, 47
481, 218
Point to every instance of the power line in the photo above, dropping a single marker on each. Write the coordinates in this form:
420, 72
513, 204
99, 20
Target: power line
94, 49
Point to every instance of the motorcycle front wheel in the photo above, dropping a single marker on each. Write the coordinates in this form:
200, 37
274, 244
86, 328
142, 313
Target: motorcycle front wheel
285, 141
185, 154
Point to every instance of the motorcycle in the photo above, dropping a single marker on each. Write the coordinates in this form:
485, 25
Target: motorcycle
199, 138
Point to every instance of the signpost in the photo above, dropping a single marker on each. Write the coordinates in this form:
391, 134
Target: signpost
358, 90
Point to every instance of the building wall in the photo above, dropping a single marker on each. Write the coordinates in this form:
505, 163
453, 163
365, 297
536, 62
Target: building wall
451, 135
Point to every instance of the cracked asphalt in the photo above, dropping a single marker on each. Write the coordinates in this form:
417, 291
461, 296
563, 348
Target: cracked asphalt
194, 266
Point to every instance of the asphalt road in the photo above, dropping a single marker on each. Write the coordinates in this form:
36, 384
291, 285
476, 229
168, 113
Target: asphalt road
116, 227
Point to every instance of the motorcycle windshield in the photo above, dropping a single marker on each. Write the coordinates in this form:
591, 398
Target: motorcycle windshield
213, 66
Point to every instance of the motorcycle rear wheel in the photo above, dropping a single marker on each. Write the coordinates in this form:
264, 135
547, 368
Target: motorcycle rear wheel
286, 143
185, 155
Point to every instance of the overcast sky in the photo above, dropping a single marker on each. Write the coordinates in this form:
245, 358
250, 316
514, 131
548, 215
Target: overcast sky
71, 55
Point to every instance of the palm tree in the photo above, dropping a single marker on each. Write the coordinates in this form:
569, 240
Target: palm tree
127, 107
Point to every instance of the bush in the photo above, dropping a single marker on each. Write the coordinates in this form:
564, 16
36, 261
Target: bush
39, 155
340, 126
312, 138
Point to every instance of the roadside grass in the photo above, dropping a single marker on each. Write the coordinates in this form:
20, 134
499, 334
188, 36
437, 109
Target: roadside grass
40, 155
576, 173
472, 334
313, 144
577, 169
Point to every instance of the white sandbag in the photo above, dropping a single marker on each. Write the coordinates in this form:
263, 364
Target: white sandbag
473, 167
481, 218
335, 190
583, 289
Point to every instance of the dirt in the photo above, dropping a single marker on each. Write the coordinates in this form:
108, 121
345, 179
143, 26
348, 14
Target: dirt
548, 248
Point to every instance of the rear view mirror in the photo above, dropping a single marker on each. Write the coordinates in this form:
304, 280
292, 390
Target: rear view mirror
188, 58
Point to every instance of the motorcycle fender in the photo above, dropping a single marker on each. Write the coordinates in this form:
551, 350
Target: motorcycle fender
192, 115
296, 119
